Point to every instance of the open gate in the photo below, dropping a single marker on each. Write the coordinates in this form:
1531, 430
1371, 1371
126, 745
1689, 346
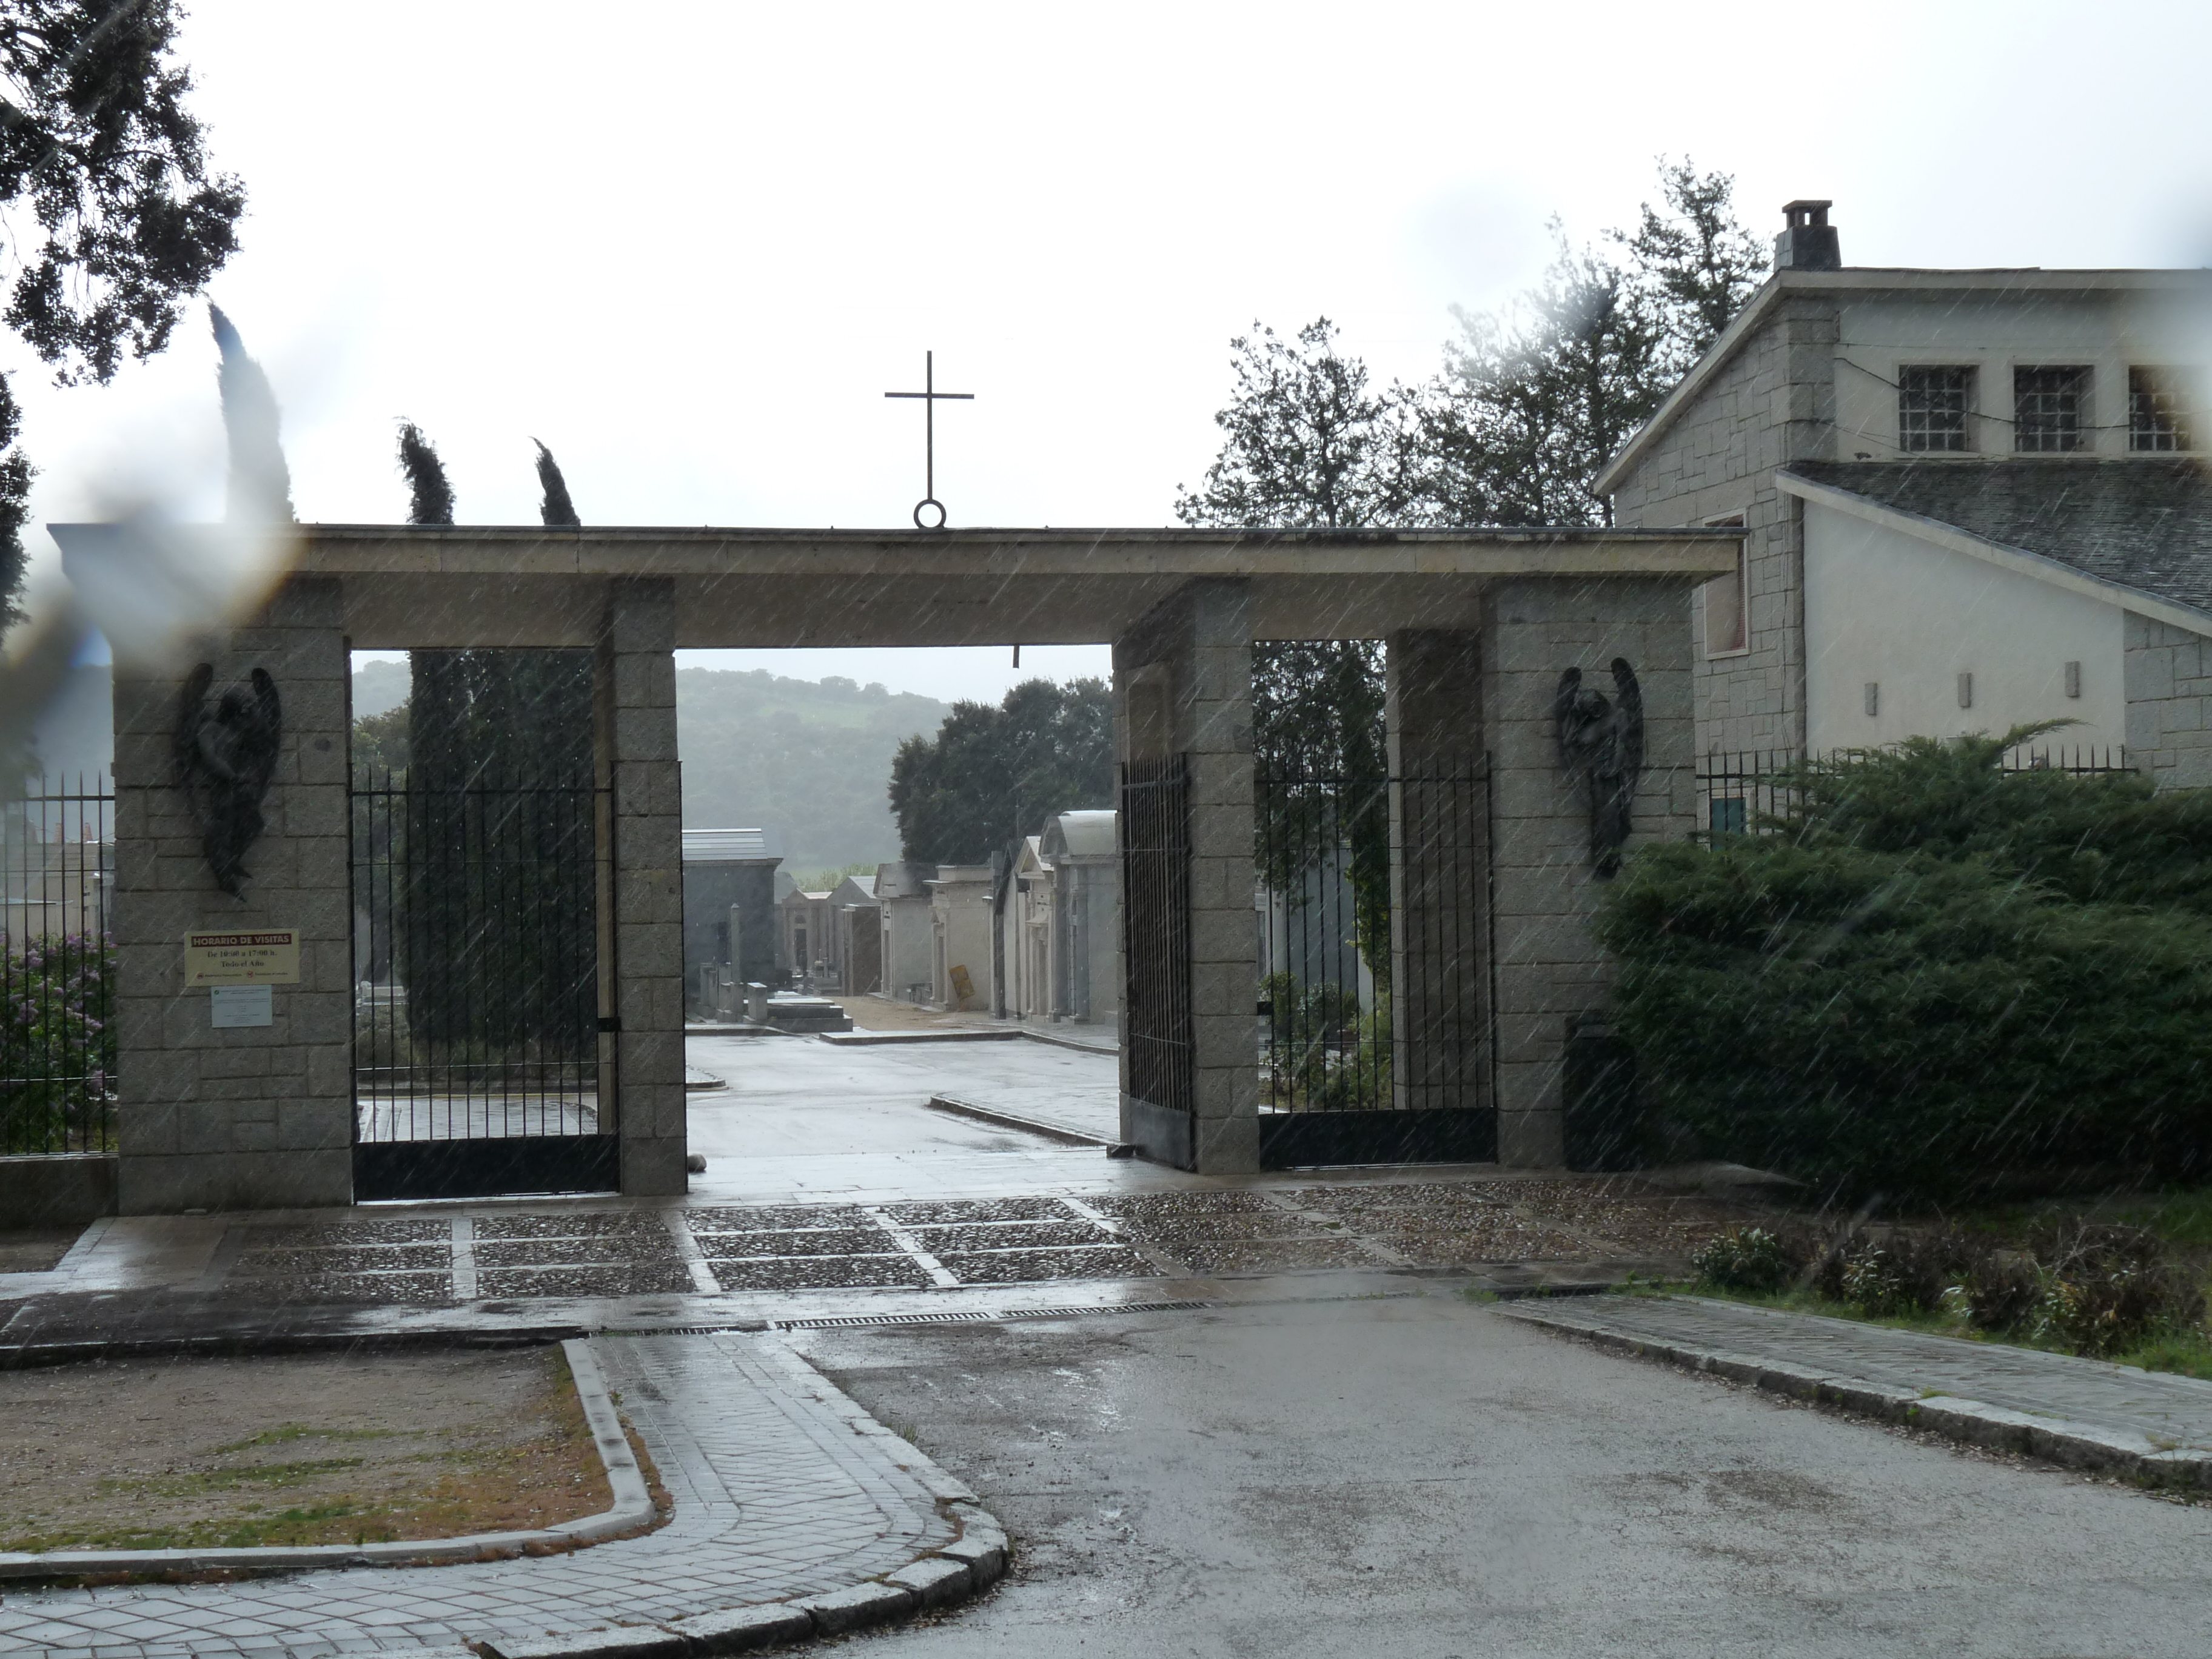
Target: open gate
1375, 991
482, 1063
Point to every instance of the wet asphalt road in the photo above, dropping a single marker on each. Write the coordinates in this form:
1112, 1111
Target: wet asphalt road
1420, 1478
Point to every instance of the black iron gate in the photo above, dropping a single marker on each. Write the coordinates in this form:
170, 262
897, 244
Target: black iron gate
1374, 1005
1155, 799
481, 1061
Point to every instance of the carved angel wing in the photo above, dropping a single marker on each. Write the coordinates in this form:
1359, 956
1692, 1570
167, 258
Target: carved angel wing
262, 735
1630, 704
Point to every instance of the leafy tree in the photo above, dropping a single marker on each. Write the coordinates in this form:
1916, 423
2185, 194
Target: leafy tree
993, 775
1304, 444
1531, 405
1307, 446
126, 220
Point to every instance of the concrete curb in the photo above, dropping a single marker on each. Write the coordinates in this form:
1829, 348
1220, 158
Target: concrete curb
967, 1566
1056, 1041
1974, 1422
632, 1509
960, 1108
871, 1039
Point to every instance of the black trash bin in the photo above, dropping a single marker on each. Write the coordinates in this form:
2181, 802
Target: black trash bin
1605, 1129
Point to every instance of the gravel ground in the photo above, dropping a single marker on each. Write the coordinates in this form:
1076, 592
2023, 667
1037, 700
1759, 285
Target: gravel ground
292, 1449
310, 1288
826, 1241
650, 1279
821, 1272
324, 1234
375, 1258
582, 1224
1175, 1232
1014, 1266
957, 1213
1272, 1255
1011, 1235
1167, 1207
775, 1217
611, 1250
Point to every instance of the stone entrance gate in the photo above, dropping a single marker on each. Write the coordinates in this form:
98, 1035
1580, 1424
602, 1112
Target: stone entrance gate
1478, 625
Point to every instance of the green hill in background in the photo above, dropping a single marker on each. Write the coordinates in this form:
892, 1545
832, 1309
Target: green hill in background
809, 759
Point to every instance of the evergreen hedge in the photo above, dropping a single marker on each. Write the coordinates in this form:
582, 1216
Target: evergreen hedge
1929, 973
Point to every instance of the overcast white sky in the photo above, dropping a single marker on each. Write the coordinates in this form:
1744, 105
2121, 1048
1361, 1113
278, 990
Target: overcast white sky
690, 245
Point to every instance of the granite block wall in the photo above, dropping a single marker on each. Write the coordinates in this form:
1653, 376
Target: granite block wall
247, 1117
1547, 965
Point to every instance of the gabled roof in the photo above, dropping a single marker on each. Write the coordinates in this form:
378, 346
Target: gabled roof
1881, 279
855, 889
2136, 532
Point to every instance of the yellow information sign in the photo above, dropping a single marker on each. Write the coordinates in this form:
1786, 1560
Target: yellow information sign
267, 956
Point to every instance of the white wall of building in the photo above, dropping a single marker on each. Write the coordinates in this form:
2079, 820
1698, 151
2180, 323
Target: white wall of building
1883, 606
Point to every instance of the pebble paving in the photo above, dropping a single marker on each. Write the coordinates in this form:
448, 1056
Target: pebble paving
507, 1255
782, 1487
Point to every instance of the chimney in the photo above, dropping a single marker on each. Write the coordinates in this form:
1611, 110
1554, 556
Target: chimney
1808, 243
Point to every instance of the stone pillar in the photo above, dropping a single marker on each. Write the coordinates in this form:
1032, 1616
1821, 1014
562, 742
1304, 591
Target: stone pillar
259, 1116
1547, 967
645, 978
1439, 872
1182, 685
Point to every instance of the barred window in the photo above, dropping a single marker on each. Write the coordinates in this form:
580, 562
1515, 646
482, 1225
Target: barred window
1931, 407
2046, 409
2159, 409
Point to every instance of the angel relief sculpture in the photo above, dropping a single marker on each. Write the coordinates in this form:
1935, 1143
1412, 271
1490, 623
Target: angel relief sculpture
225, 755
1601, 750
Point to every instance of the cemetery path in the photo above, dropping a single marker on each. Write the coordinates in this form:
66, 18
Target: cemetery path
788, 1497
1427, 1478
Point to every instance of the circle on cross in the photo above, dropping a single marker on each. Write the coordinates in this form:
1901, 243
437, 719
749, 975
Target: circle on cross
923, 506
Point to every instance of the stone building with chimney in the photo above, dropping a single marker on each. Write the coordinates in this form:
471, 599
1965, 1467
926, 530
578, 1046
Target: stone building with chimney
1971, 500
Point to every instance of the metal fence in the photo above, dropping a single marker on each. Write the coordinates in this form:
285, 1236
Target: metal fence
1736, 791
476, 961
1373, 990
58, 967
1157, 1030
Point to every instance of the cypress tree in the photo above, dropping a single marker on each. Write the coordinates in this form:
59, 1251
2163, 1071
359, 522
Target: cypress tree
260, 484
556, 508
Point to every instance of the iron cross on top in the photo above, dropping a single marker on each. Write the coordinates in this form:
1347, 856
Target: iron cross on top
930, 397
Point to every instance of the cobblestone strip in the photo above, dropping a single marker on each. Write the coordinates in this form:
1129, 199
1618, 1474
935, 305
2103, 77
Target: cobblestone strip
702, 1276
795, 1513
2082, 1413
1168, 1266
465, 1258
939, 1275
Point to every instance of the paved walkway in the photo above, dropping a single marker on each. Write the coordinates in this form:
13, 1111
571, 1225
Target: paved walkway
783, 1489
2047, 1402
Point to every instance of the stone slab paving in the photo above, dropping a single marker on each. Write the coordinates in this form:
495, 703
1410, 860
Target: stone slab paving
2080, 1410
783, 1489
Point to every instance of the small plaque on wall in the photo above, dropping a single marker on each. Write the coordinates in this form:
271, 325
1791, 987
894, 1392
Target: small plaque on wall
242, 1004
269, 955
